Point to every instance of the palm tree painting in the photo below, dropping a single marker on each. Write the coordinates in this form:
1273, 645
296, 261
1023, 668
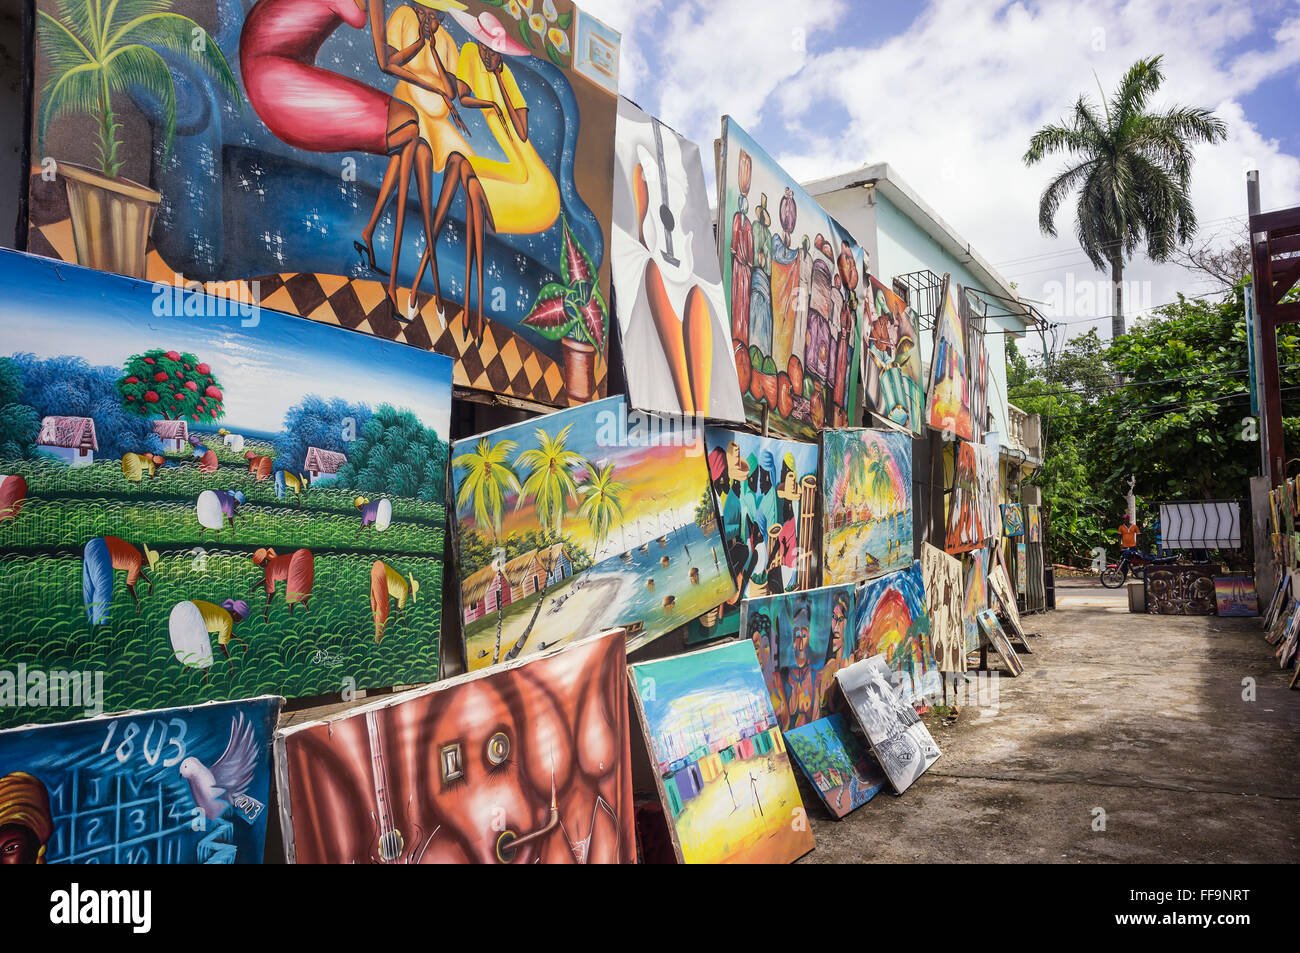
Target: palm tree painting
868, 508
550, 480
602, 502
488, 478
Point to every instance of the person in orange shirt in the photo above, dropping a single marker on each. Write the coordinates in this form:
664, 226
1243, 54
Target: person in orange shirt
1128, 534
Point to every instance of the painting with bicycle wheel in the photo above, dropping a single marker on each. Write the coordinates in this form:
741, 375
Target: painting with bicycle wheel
206, 506
434, 172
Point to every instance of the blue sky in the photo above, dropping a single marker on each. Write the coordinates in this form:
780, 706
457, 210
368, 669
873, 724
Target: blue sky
264, 370
949, 91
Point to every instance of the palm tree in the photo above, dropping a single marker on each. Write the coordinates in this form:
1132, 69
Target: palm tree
99, 48
489, 478
550, 478
602, 502
1132, 169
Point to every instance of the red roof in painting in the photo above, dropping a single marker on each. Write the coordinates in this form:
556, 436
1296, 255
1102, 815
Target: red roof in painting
73, 433
323, 461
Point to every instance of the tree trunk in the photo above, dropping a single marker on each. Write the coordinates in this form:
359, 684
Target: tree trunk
1117, 287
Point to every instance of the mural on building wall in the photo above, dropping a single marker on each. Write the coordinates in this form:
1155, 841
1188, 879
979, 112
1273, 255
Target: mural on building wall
892, 350
765, 491
671, 311
173, 786
312, 154
525, 763
795, 283
993, 632
720, 760
945, 599
801, 638
214, 508
582, 520
947, 405
1236, 596
899, 739
891, 621
839, 766
866, 504
976, 598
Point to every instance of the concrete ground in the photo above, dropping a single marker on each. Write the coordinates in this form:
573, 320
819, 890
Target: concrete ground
1139, 716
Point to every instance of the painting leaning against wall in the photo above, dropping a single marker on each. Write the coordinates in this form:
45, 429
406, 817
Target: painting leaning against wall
215, 506
944, 599
947, 405
837, 763
891, 621
866, 504
434, 173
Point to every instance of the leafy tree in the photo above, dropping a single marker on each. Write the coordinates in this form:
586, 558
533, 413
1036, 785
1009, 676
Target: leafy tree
1132, 169
475, 549
171, 384
550, 479
395, 453
602, 501
488, 478
19, 422
332, 424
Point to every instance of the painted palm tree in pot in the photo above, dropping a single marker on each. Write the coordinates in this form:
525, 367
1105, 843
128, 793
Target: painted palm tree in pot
1132, 169
97, 51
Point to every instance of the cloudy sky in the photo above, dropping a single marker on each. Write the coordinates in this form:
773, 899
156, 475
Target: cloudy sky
950, 91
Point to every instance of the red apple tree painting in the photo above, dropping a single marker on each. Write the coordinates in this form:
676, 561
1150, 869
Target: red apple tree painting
174, 385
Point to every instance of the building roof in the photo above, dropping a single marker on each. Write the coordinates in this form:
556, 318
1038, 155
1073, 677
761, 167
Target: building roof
519, 567
72, 433
171, 429
548, 556
476, 585
323, 461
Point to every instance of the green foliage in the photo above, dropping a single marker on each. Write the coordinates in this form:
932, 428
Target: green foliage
394, 453
476, 549
19, 423
170, 384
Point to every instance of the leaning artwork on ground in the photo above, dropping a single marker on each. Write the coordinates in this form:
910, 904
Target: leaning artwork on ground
526, 763
945, 601
1181, 589
172, 786
966, 530
996, 637
975, 599
215, 506
1236, 596
668, 287
795, 283
765, 491
838, 764
947, 405
899, 739
892, 353
866, 504
720, 760
891, 622
801, 638
437, 173
1013, 519
1000, 584
586, 519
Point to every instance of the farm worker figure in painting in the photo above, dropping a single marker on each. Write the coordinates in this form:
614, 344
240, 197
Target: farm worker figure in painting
220, 621
385, 583
13, 490
100, 558
297, 571
26, 823
760, 284
742, 252
136, 465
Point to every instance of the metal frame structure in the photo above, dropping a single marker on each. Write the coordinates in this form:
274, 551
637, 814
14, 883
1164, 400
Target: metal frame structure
1275, 256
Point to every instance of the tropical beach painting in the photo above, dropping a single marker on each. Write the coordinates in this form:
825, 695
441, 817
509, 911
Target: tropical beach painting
866, 504
213, 505
721, 764
839, 765
892, 622
947, 406
586, 519
895, 392
1236, 596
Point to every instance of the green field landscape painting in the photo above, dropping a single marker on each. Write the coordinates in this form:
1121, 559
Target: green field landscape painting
208, 506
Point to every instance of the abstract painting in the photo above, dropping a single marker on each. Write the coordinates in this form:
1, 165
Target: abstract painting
866, 504
669, 303
586, 519
1236, 596
945, 600
979, 379
898, 737
720, 759
966, 530
173, 786
947, 405
1000, 584
1013, 519
801, 639
437, 173
891, 622
1033, 523
215, 506
795, 283
996, 637
765, 491
525, 763
976, 597
892, 355
1181, 589
837, 764
1022, 568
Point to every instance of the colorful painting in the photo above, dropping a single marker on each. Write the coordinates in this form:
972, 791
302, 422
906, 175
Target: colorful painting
521, 764
965, 527
996, 637
795, 283
945, 593
215, 506
866, 504
765, 491
947, 405
1000, 585
891, 621
720, 759
174, 786
1033, 523
979, 377
671, 311
1236, 596
801, 638
892, 375
898, 737
437, 173
583, 520
1013, 520
838, 764
976, 598
1181, 589
1022, 568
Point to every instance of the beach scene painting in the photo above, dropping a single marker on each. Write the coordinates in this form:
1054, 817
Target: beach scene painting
583, 520
721, 764
866, 504
839, 765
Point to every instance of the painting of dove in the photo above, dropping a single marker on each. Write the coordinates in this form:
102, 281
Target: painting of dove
227, 781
